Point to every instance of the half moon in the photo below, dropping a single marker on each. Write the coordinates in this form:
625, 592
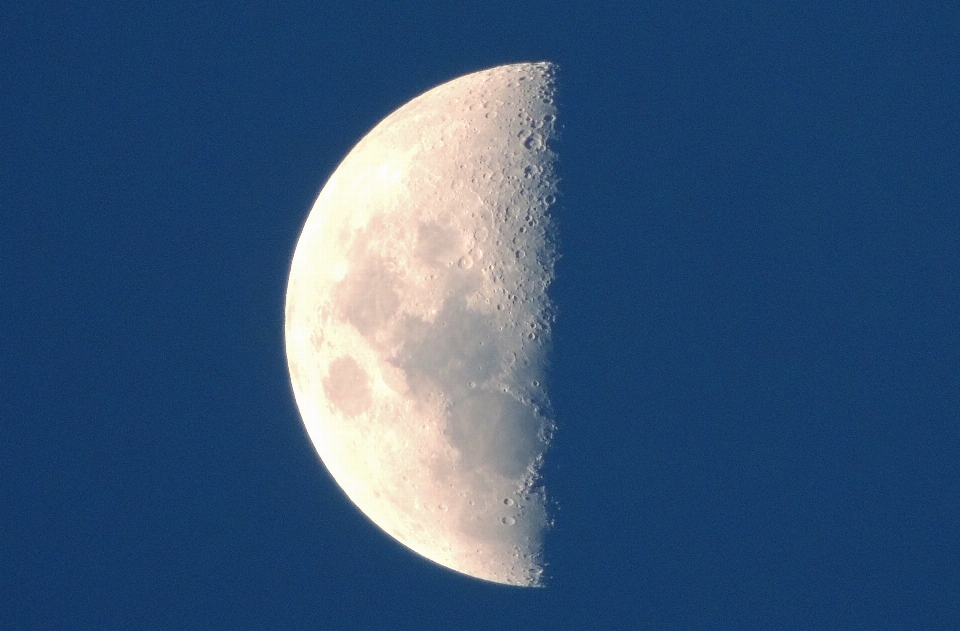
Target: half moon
417, 322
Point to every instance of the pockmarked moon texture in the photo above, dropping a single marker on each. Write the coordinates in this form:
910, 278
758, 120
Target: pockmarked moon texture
417, 322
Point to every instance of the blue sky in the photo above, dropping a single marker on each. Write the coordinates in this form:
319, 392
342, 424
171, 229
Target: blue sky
756, 371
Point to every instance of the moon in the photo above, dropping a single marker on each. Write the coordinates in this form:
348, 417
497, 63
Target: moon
417, 322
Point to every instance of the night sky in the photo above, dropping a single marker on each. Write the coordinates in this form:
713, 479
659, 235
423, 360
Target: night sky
756, 363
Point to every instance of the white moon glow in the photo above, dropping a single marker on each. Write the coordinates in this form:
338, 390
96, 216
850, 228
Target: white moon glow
417, 321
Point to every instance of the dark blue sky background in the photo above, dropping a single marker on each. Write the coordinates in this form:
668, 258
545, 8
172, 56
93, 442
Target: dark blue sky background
757, 358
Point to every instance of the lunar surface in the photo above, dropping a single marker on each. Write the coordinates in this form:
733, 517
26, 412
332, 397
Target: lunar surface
417, 322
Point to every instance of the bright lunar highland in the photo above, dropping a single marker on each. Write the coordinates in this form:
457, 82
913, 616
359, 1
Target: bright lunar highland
417, 322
